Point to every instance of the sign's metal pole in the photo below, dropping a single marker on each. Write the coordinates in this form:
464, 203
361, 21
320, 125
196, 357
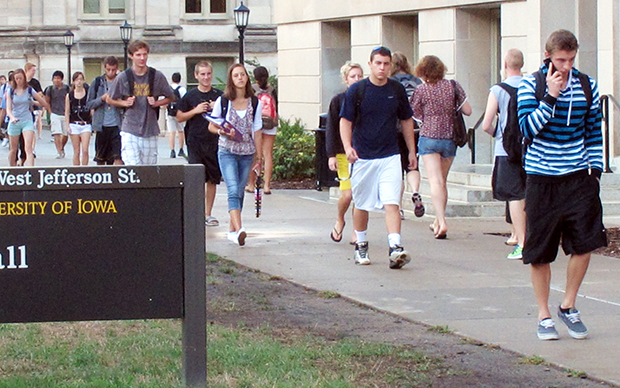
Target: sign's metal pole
195, 316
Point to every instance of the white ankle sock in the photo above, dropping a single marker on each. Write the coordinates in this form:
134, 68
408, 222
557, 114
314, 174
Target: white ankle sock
361, 236
394, 239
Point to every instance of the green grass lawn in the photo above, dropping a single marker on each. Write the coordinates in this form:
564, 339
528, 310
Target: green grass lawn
91, 354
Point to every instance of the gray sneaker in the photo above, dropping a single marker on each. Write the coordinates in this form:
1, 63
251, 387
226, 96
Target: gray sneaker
398, 257
546, 330
361, 253
572, 320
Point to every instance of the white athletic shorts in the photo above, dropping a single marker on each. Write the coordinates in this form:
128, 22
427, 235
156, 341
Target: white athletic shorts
137, 150
376, 182
173, 125
78, 129
58, 126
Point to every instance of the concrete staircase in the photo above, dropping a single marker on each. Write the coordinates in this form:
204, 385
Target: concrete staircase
470, 194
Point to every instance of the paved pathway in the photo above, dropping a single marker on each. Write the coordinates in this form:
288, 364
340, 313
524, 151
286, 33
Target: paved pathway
463, 282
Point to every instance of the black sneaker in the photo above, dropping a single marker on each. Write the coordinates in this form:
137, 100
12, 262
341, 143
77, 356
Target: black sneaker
361, 253
172, 154
182, 154
398, 257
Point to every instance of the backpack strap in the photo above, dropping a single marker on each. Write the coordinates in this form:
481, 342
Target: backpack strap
96, 83
224, 106
512, 91
130, 80
587, 88
151, 79
254, 105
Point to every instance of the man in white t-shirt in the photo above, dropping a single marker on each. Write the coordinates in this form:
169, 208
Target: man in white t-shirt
174, 126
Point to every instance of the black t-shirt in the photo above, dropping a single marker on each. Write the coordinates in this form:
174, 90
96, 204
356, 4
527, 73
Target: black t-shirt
196, 128
36, 85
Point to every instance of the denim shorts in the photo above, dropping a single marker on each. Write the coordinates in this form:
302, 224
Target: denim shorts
445, 147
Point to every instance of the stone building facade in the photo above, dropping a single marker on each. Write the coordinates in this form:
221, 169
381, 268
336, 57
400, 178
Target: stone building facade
315, 37
180, 32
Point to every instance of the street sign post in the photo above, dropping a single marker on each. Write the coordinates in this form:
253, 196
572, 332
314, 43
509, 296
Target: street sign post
104, 243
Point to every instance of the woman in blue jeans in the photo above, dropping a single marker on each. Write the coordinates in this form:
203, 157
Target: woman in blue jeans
239, 148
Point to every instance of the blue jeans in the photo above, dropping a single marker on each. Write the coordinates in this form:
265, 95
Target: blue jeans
235, 171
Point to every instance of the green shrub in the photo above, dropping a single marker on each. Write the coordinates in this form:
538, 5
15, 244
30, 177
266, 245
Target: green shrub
293, 152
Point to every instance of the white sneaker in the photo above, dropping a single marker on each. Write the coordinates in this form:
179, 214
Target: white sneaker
232, 236
361, 254
241, 235
5, 142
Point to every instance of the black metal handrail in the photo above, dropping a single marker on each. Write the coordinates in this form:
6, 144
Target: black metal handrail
471, 142
605, 111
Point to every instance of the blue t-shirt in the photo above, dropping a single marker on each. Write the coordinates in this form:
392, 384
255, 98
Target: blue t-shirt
375, 134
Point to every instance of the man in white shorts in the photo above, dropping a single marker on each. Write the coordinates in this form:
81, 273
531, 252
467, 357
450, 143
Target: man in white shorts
368, 130
55, 96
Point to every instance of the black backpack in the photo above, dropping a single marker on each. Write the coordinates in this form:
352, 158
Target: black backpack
151, 81
173, 107
512, 138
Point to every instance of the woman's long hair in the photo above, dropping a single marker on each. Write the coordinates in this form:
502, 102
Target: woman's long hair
230, 91
74, 77
261, 75
12, 78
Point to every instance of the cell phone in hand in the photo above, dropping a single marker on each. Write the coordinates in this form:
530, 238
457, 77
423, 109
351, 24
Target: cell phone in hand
547, 62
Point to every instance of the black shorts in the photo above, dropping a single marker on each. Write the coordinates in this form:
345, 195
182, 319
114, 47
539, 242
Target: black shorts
108, 145
508, 180
404, 151
566, 208
206, 154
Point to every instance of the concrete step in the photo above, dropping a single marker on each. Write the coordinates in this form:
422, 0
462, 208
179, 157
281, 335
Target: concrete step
461, 192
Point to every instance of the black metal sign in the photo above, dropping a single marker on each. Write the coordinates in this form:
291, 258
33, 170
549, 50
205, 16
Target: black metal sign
104, 243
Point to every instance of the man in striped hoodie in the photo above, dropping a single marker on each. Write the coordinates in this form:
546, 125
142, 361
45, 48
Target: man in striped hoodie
563, 165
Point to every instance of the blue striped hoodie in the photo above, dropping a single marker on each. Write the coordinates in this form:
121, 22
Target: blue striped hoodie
565, 136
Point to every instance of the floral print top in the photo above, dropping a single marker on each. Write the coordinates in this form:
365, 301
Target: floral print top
433, 106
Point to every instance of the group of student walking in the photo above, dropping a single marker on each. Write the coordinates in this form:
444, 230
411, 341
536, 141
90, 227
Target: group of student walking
558, 120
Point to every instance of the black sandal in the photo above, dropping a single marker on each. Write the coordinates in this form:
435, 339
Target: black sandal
338, 234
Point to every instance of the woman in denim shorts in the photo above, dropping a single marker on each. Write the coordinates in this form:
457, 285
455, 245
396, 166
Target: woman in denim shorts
433, 106
19, 101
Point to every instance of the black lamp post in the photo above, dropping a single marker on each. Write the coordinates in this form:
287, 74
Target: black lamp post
126, 37
242, 16
69, 40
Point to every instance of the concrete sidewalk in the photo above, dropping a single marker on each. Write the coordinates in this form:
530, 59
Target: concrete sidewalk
464, 282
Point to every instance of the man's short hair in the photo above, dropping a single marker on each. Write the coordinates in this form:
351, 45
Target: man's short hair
514, 59
110, 61
29, 65
381, 50
202, 64
58, 73
176, 77
137, 45
561, 40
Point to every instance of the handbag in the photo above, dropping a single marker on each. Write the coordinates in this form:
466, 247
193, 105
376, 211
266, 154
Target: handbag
459, 134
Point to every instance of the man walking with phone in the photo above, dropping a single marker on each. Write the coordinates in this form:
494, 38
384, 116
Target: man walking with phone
559, 113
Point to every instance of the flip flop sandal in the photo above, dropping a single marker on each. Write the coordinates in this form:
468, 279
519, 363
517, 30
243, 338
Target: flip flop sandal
212, 221
338, 237
441, 236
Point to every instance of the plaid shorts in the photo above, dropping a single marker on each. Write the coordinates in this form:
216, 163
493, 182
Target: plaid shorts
137, 150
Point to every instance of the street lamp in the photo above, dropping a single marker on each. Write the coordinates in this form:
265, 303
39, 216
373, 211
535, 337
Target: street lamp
69, 40
242, 16
126, 37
